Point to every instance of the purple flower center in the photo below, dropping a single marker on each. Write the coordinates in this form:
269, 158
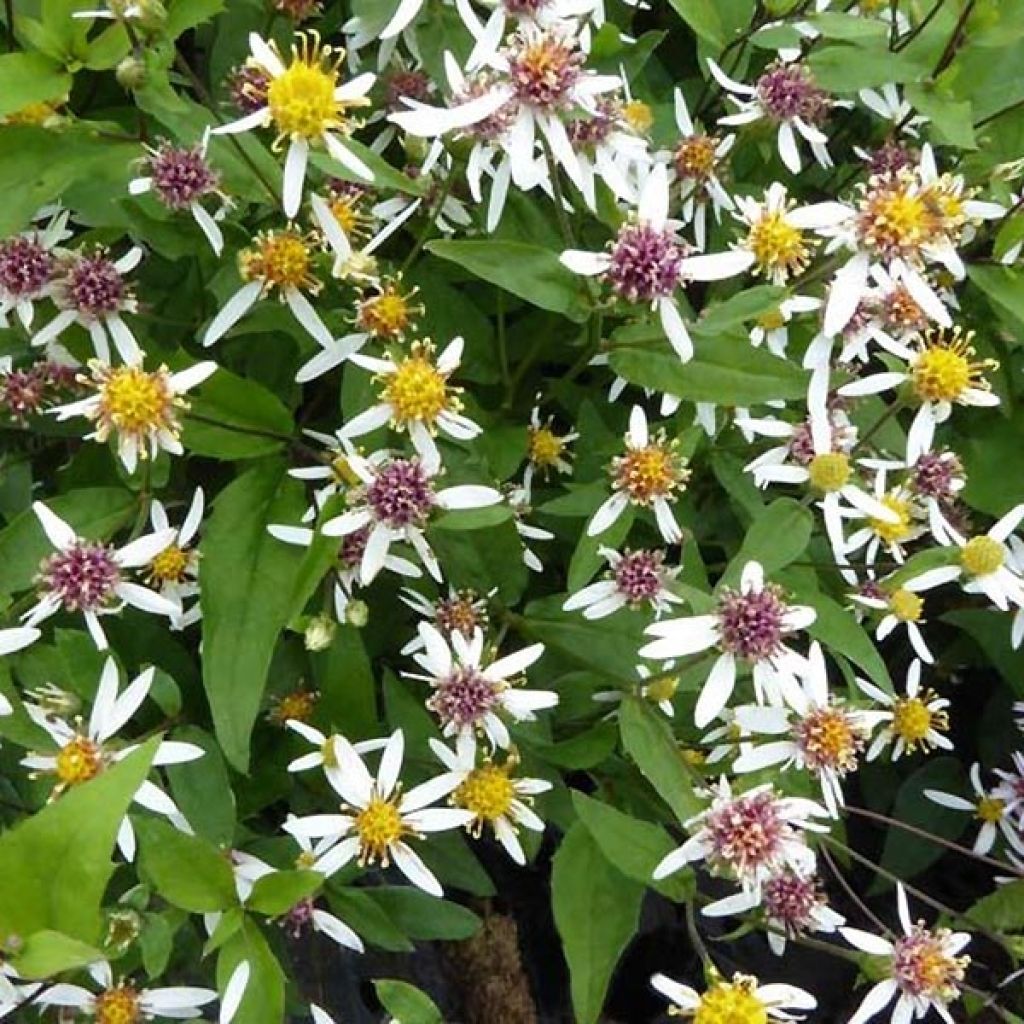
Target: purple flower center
248, 88
543, 71
747, 833
25, 266
401, 494
639, 575
180, 176
82, 577
935, 474
406, 84
787, 91
890, 158
459, 613
350, 554
751, 625
791, 900
645, 263
525, 8
590, 131
299, 919
93, 285
463, 698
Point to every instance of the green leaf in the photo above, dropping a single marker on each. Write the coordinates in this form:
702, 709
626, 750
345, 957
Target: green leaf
247, 596
252, 420
202, 788
263, 1002
702, 17
849, 68
635, 847
529, 271
650, 743
55, 865
1004, 287
994, 459
185, 14
738, 309
47, 953
850, 27
277, 893
365, 916
187, 871
991, 632
596, 910
727, 371
30, 78
951, 121
94, 513
779, 535
423, 917
406, 1003
348, 689
1002, 910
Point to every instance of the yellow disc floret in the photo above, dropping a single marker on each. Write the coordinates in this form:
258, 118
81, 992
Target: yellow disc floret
545, 447
78, 761
378, 825
487, 791
906, 605
899, 530
298, 705
638, 115
661, 689
171, 565
731, 1002
982, 556
944, 369
913, 720
417, 389
652, 472
990, 809
118, 1005
696, 156
133, 400
388, 314
830, 471
280, 259
779, 248
894, 220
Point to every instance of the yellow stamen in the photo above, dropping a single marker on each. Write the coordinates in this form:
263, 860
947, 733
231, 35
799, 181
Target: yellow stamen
779, 248
78, 761
171, 565
417, 390
118, 1005
981, 556
280, 259
906, 605
378, 825
731, 1002
830, 471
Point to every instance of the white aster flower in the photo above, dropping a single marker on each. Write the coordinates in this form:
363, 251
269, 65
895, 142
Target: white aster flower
27, 263
771, 329
174, 571
325, 751
988, 807
743, 998
142, 408
924, 969
749, 626
307, 104
634, 579
459, 611
901, 606
378, 819
474, 695
17, 639
87, 576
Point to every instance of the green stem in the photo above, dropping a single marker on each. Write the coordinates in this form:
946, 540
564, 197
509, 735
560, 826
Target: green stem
421, 239
503, 347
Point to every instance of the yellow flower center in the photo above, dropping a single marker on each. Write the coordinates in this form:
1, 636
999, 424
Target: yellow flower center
778, 247
830, 471
772, 320
378, 825
693, 757
649, 473
301, 100
347, 213
388, 314
981, 556
990, 809
696, 157
906, 605
280, 259
944, 368
487, 791
78, 761
731, 1003
829, 738
134, 401
894, 217
299, 704
170, 566
545, 447
895, 532
638, 115
912, 720
417, 390
305, 860
662, 689
32, 113
118, 1006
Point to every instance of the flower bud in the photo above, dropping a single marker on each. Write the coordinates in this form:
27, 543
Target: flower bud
131, 73
320, 632
357, 614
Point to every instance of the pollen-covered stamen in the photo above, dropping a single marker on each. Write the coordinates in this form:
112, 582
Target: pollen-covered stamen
649, 473
89, 283
981, 556
731, 1002
388, 313
418, 390
751, 625
543, 69
488, 792
401, 494
83, 577
545, 447
901, 528
923, 966
901, 314
889, 158
301, 100
25, 266
134, 401
462, 612
639, 575
299, 705
830, 738
346, 201
945, 368
747, 834
79, 760
905, 605
298, 921
181, 175
946, 200
378, 825
990, 809
171, 565
791, 900
788, 91
280, 259
247, 86
646, 263
830, 471
696, 157
913, 720
893, 219
464, 698
780, 250
937, 475
119, 1005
